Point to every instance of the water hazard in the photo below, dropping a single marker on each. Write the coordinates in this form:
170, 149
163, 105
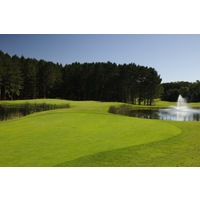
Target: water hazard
167, 114
180, 112
10, 112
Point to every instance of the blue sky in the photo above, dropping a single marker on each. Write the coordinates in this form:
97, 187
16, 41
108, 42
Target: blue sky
175, 57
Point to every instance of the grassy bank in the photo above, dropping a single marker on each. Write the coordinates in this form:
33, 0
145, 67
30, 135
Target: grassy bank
34, 101
87, 135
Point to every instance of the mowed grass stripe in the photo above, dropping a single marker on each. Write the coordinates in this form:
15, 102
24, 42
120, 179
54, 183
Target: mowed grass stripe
181, 150
52, 137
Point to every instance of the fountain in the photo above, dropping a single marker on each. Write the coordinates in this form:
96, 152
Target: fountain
180, 112
181, 104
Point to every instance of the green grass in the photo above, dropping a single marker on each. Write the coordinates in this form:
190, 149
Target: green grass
181, 150
33, 101
87, 135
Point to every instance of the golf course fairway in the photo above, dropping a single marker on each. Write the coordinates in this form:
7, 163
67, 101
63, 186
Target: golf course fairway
87, 135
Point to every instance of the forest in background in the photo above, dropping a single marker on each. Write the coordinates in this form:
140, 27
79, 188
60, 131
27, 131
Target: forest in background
190, 91
28, 78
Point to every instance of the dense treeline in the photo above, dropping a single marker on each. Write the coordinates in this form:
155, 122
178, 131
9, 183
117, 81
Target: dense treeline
191, 91
111, 82
22, 78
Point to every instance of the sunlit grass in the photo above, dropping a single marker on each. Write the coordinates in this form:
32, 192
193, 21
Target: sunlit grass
33, 101
87, 135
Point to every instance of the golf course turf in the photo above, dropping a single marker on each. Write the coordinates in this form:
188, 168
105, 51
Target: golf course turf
87, 135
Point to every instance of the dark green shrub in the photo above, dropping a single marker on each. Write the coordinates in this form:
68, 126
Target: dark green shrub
122, 109
112, 110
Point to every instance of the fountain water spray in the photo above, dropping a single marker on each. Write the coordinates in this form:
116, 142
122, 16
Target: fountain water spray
181, 102
180, 112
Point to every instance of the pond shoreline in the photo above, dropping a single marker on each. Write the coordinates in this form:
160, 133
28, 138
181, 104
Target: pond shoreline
8, 112
156, 113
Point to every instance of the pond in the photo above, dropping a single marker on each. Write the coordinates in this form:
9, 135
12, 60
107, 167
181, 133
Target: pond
10, 112
167, 114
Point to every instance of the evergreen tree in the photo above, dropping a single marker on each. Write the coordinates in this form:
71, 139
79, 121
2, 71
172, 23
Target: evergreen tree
29, 69
11, 77
30, 78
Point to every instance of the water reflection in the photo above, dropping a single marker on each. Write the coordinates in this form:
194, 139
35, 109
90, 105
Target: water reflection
179, 115
10, 112
167, 114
